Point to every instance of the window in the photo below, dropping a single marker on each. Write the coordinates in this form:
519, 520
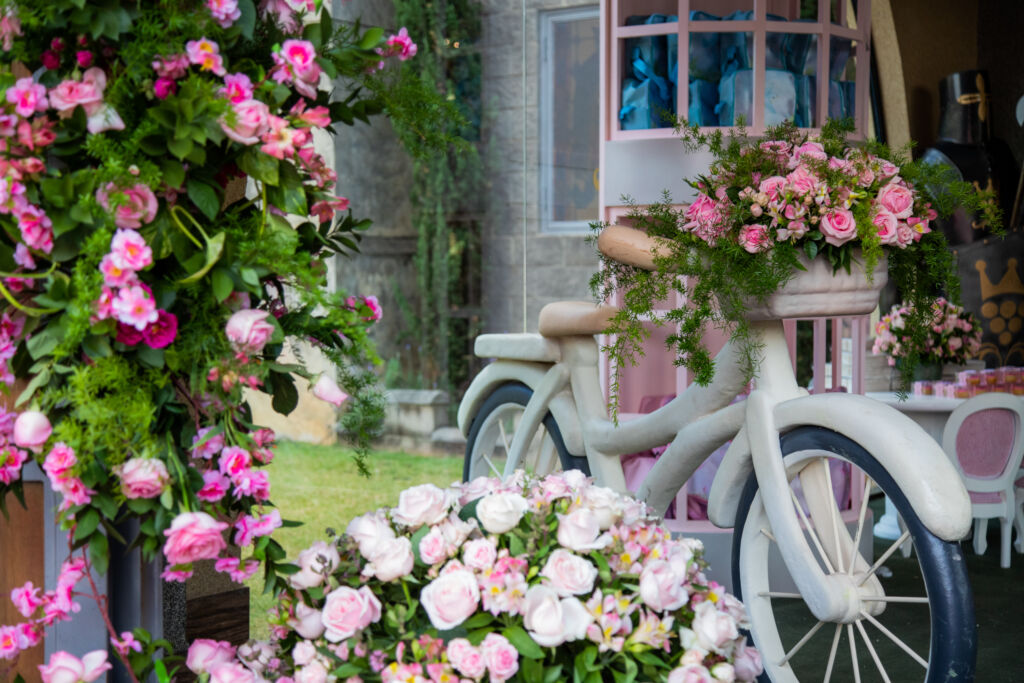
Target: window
569, 106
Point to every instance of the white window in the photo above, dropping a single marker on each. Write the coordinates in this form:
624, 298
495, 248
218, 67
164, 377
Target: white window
569, 106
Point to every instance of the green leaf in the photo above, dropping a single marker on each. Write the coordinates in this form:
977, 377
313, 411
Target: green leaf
478, 621
415, 542
214, 249
260, 166
204, 197
523, 642
153, 358
371, 38
105, 504
553, 674
46, 341
161, 671
41, 379
173, 172
99, 552
603, 570
286, 397
516, 547
97, 346
222, 284
86, 523
180, 148
247, 20
468, 510
811, 249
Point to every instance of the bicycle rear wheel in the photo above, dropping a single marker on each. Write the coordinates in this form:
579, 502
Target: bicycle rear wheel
916, 625
494, 427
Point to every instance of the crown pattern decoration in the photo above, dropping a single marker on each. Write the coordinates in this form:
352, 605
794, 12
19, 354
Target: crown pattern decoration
1010, 284
1004, 319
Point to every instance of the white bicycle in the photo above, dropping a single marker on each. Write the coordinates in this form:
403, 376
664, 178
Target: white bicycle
539, 406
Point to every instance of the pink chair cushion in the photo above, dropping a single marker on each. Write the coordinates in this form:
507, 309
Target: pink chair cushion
985, 442
989, 497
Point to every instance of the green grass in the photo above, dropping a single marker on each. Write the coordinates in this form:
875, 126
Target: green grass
320, 486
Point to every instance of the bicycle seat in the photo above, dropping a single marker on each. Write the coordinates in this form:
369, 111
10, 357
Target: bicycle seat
574, 318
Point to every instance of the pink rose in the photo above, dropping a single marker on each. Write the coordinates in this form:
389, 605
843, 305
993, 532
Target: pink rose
746, 663
347, 610
315, 564
480, 553
307, 622
231, 672
886, 223
579, 530
838, 226
501, 512
897, 198
248, 331
451, 598
138, 208
704, 218
163, 332
433, 547
501, 657
714, 629
801, 181
773, 186
466, 659
87, 94
552, 621
661, 587
67, 668
143, 477
419, 505
811, 150
194, 536
369, 531
204, 655
392, 559
31, 430
691, 673
251, 121
755, 238
568, 573
326, 389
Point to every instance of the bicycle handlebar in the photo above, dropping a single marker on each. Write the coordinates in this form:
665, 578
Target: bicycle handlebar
631, 246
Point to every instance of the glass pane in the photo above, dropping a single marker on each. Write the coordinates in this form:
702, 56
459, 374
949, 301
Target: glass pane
844, 12
789, 93
719, 8
628, 11
842, 78
650, 66
575, 135
720, 79
793, 10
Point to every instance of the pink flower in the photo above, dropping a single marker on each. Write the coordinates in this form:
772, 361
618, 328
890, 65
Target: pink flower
137, 207
237, 87
376, 312
811, 150
164, 87
194, 536
205, 54
802, 181
297, 59
315, 564
172, 67
26, 599
886, 223
690, 673
347, 611
661, 587
204, 655
451, 598
84, 58
238, 571
715, 630
126, 643
897, 198
401, 45
115, 275
480, 553
251, 122
325, 209
225, 12
143, 477
704, 219
466, 659
215, 487
128, 335
248, 331
28, 97
501, 656
128, 249
282, 13
87, 93
279, 141
501, 512
51, 60
36, 228
10, 28
746, 662
209, 448
755, 238
11, 460
326, 389
568, 573
66, 668
231, 672
419, 505
234, 460
838, 226
369, 531
392, 559
31, 430
162, 332
135, 306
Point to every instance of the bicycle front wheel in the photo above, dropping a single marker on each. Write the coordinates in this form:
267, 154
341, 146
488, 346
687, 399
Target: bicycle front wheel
495, 426
916, 623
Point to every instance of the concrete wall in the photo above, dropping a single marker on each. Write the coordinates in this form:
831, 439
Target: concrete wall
558, 267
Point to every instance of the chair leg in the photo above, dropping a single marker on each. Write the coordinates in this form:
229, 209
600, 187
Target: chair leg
1018, 522
1004, 546
980, 543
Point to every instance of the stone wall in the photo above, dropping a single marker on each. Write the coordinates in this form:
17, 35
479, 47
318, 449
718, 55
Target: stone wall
558, 266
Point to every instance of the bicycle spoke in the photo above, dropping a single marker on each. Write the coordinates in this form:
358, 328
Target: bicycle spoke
504, 440
874, 655
771, 594
769, 535
832, 514
811, 531
885, 556
832, 653
853, 653
491, 465
801, 643
903, 646
893, 598
860, 526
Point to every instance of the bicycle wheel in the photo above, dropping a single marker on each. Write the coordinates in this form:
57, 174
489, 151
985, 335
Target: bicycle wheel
915, 624
494, 427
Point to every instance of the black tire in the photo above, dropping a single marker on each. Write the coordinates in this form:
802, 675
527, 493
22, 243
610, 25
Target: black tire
518, 393
953, 644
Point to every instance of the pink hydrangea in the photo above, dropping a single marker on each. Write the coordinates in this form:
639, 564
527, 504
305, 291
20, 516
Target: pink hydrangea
135, 306
28, 97
205, 54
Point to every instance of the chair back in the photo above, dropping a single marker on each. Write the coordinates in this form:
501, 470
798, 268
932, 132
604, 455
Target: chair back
984, 437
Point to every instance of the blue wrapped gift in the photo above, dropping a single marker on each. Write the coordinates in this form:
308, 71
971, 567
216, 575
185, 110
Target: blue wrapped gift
735, 97
737, 49
643, 106
703, 98
648, 95
705, 60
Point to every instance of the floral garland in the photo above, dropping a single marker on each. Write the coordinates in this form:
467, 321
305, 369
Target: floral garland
524, 580
954, 335
166, 218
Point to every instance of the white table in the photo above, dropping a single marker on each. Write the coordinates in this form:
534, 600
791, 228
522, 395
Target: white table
931, 412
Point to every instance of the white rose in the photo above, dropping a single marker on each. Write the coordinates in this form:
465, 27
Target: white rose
501, 512
304, 652
715, 630
579, 530
605, 503
552, 621
369, 531
307, 622
419, 505
575, 479
451, 598
393, 559
661, 588
569, 574
723, 671
315, 563
314, 672
455, 530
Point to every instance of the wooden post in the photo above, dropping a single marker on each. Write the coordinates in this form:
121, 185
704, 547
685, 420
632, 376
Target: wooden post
22, 558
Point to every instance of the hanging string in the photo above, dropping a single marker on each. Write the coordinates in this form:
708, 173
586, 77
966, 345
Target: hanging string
524, 165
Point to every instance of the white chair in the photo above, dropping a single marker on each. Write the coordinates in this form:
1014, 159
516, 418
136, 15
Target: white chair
983, 438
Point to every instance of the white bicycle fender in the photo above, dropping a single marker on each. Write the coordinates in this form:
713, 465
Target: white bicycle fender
928, 479
562, 406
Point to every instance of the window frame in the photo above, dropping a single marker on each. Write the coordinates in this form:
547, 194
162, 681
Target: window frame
548, 20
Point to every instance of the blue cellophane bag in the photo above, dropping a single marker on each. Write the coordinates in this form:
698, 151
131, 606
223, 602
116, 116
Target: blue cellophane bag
735, 97
703, 98
705, 57
737, 49
648, 96
643, 106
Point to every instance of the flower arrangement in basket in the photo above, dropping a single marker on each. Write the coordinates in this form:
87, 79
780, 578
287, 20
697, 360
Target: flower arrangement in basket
528, 580
167, 214
765, 208
953, 336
